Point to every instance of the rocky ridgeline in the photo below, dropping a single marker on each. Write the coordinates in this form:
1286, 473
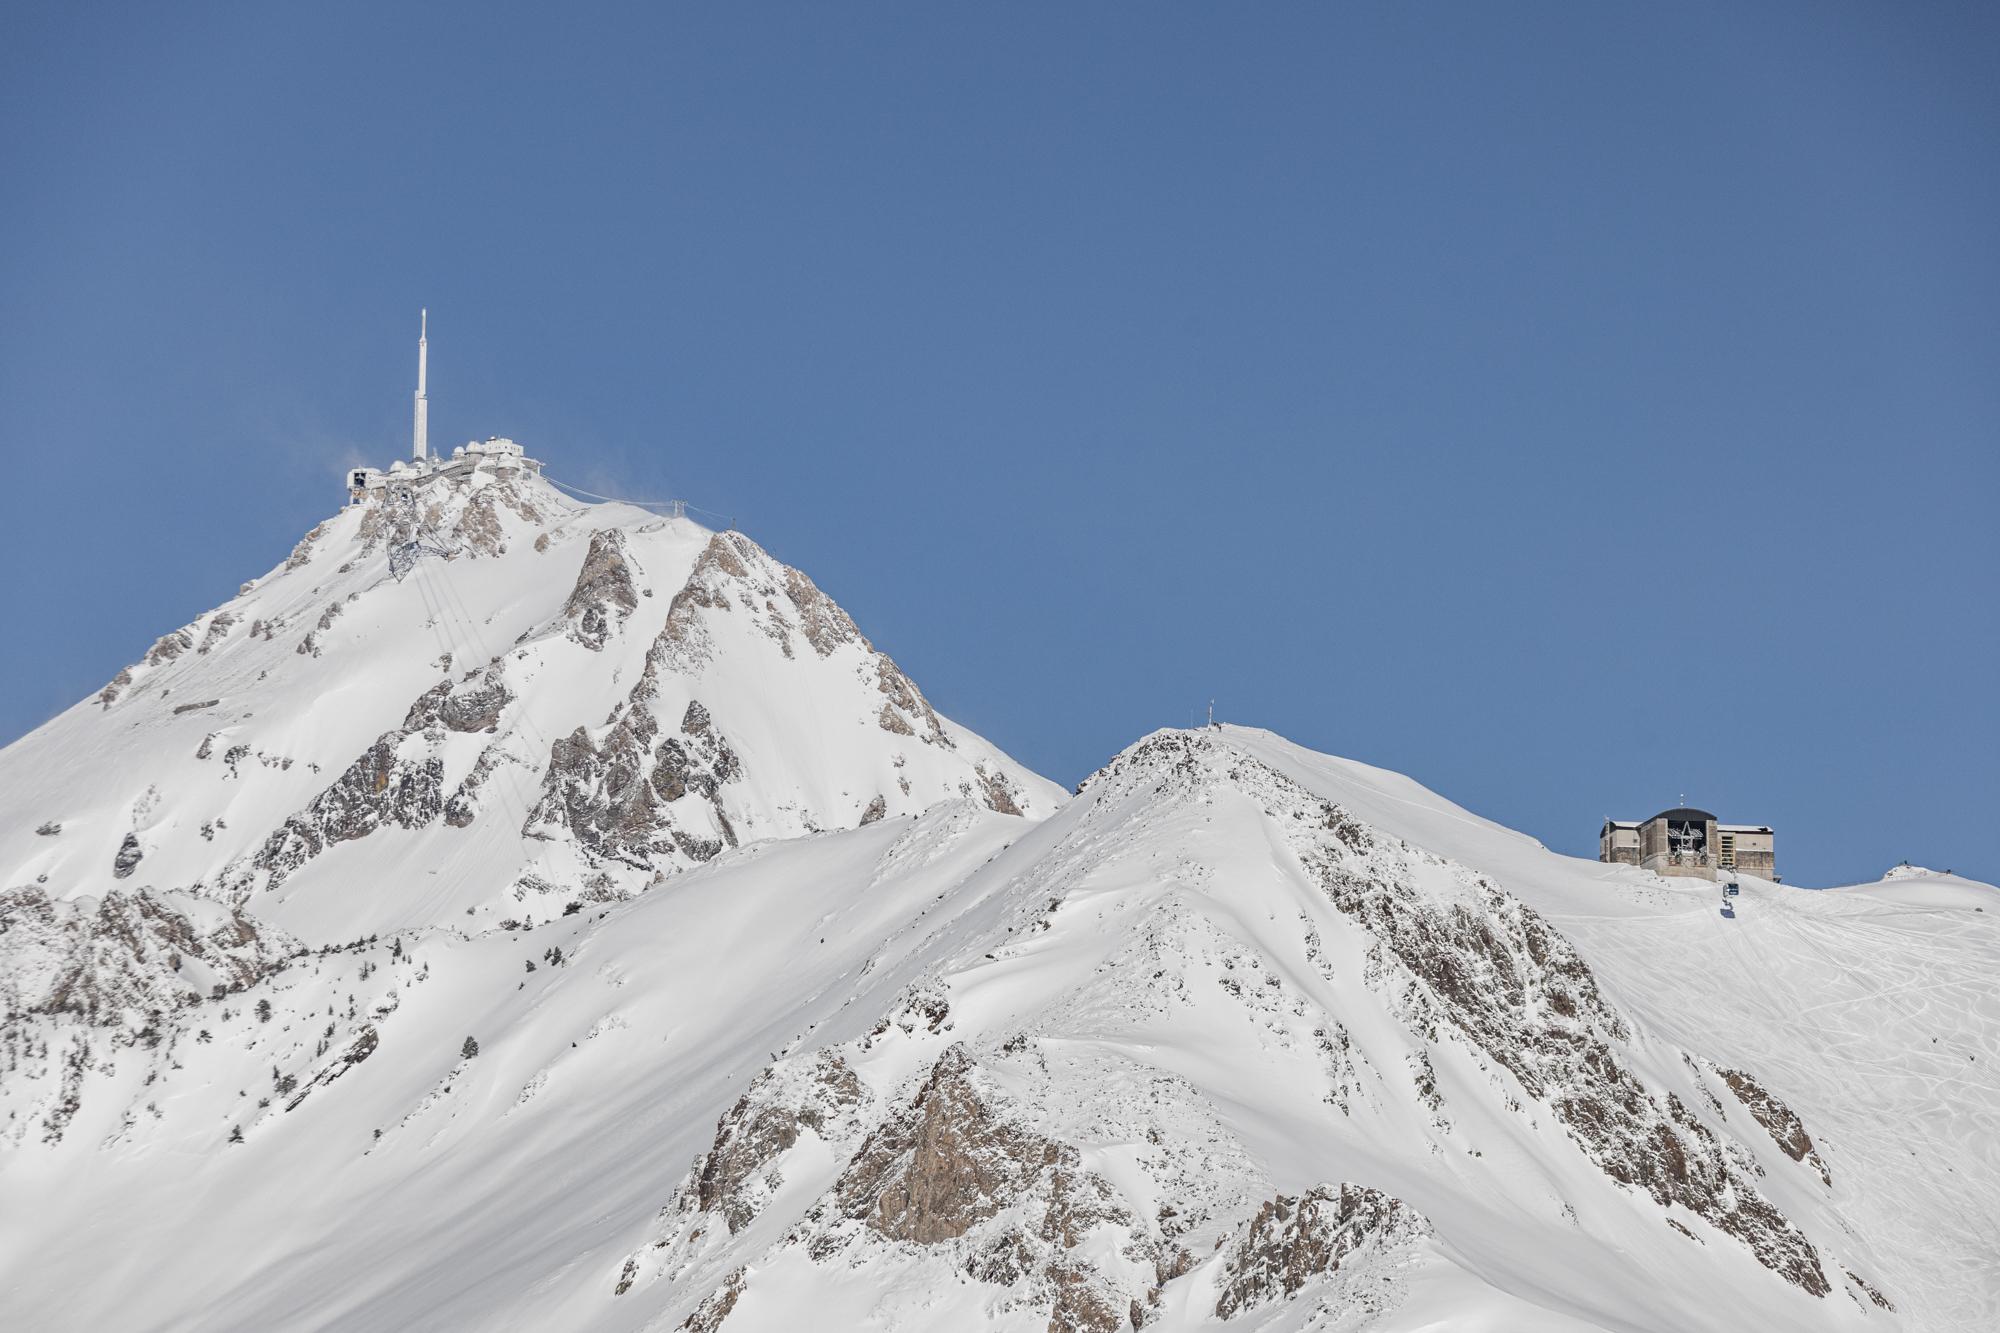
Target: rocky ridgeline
959, 1171
622, 795
997, 1184
88, 978
1779, 1121
1476, 964
618, 798
398, 780
605, 595
126, 961
1294, 1242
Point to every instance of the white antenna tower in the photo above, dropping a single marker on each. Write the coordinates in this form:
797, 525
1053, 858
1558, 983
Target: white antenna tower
1211, 715
422, 445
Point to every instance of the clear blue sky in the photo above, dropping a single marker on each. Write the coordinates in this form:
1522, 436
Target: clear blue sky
1571, 406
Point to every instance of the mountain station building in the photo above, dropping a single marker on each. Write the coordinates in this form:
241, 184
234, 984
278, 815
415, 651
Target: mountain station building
1689, 842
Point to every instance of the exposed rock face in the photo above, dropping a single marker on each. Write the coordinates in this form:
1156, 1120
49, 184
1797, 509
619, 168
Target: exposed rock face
1778, 1119
1520, 993
734, 1177
996, 791
734, 574
715, 1307
303, 552
218, 630
1290, 1242
478, 529
604, 594
115, 690
398, 780
647, 792
1479, 963
945, 1164
123, 961
364, 1045
310, 646
464, 804
127, 860
951, 1167
618, 797
468, 706
905, 711
1868, 1289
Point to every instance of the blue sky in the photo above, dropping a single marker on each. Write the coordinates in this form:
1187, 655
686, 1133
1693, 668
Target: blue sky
1570, 406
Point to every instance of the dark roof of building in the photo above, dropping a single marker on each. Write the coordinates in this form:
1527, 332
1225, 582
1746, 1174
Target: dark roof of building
1686, 812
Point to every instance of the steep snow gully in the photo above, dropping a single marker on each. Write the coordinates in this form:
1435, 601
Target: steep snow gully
594, 930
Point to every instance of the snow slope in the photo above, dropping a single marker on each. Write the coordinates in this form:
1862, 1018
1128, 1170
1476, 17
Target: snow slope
1238, 1037
500, 719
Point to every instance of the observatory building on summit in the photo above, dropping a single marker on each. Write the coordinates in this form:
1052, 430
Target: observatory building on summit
492, 455
1689, 842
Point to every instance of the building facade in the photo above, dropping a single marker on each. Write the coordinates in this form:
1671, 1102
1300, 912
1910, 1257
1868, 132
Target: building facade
1689, 842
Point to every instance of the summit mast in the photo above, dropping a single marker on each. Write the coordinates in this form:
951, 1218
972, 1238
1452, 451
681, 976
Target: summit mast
422, 447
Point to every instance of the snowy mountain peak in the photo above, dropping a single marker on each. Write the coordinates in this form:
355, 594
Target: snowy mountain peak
568, 702
594, 869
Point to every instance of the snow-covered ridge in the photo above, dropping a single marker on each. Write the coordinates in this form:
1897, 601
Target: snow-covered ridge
595, 930
581, 698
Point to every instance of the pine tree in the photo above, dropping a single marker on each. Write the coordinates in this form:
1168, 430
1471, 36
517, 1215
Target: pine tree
470, 1049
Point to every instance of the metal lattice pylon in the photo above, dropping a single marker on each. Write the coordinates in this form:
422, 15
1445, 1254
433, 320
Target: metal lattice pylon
424, 539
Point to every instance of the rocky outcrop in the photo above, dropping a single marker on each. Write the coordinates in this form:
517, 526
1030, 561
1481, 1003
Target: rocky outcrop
1779, 1121
997, 791
735, 575
905, 711
480, 526
1477, 964
733, 1179
604, 595
951, 1169
128, 857
821, 621
464, 804
1869, 1290
1293, 1241
945, 1164
1519, 992
218, 630
303, 552
397, 780
364, 1045
1016, 1205
715, 1306
115, 690
621, 797
471, 705
123, 961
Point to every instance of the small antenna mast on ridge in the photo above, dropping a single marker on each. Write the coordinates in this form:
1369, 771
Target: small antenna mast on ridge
420, 446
